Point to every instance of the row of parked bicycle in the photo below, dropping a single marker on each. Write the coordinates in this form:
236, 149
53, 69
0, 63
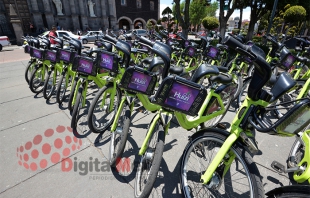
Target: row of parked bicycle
196, 84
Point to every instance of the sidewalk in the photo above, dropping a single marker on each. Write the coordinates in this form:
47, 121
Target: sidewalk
42, 158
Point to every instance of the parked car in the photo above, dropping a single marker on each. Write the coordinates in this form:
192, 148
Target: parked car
91, 36
140, 32
4, 41
60, 33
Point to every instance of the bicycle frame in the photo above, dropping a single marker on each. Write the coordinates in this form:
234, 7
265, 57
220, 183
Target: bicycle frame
236, 130
184, 121
143, 99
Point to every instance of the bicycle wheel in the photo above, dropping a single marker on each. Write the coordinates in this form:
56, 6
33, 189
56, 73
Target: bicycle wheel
293, 191
36, 82
241, 179
150, 162
62, 88
76, 110
100, 116
29, 68
297, 152
49, 86
214, 106
119, 137
70, 105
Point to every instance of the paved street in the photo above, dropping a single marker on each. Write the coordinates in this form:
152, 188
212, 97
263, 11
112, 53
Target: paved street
40, 156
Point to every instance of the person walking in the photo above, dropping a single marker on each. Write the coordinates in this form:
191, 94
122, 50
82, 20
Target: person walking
54, 34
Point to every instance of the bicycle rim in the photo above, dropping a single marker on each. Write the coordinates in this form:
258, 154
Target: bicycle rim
103, 109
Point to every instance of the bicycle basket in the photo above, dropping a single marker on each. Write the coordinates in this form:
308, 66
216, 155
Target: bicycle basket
27, 49
65, 56
107, 61
138, 80
84, 65
36, 53
50, 55
179, 94
211, 52
296, 119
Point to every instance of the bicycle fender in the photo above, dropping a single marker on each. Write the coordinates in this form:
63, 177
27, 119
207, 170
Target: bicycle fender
289, 189
220, 131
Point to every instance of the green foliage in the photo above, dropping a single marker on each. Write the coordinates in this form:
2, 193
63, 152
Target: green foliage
211, 9
149, 25
210, 23
196, 11
257, 39
295, 14
235, 31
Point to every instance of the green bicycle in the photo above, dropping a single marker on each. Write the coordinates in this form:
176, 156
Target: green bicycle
216, 162
193, 106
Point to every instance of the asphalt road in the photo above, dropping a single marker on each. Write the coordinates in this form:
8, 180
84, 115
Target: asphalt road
40, 157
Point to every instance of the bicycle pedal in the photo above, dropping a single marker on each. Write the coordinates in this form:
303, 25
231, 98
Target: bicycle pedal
277, 166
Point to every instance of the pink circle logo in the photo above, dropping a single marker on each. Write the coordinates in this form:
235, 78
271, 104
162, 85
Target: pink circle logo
48, 149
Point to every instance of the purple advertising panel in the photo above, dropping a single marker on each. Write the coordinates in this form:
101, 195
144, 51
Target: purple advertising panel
181, 96
212, 52
50, 56
64, 55
288, 62
191, 51
139, 81
85, 66
37, 53
106, 61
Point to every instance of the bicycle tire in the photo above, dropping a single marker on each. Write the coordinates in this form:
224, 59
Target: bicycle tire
76, 110
61, 88
119, 139
150, 166
29, 69
245, 169
70, 106
99, 123
293, 191
36, 84
49, 87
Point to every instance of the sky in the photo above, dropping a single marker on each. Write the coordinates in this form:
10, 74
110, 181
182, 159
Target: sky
246, 12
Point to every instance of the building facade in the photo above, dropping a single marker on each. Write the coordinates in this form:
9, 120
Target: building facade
84, 15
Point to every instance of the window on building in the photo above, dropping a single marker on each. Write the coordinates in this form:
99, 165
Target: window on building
151, 5
123, 2
139, 4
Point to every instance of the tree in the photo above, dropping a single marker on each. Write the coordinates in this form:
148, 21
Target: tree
242, 4
184, 21
231, 5
294, 15
168, 17
210, 23
211, 9
149, 25
196, 12
258, 9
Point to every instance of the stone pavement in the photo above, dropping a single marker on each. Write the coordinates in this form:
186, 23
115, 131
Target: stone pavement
40, 157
